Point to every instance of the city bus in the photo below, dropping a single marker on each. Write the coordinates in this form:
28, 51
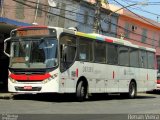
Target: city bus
45, 59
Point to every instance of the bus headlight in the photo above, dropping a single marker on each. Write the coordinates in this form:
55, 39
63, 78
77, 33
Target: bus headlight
12, 80
50, 78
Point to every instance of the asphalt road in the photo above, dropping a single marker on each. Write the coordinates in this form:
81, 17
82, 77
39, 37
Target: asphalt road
98, 107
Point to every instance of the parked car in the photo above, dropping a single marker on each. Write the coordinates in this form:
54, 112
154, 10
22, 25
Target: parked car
158, 81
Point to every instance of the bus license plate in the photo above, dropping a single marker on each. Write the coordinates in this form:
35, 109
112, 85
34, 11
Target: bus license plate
27, 87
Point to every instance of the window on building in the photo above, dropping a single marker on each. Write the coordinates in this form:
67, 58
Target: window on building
112, 54
20, 10
61, 20
100, 52
144, 35
127, 32
133, 28
39, 12
1, 3
85, 50
85, 17
113, 23
153, 38
123, 56
105, 24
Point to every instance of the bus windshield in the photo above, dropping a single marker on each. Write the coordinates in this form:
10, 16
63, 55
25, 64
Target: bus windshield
34, 52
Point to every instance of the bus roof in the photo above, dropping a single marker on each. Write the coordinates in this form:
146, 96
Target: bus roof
94, 36
113, 40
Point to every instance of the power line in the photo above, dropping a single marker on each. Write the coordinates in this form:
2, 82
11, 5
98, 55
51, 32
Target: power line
79, 21
140, 9
56, 8
83, 15
43, 10
137, 14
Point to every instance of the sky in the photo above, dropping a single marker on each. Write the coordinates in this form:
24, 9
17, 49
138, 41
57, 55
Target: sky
151, 11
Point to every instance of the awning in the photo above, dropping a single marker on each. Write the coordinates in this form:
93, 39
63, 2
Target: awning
13, 22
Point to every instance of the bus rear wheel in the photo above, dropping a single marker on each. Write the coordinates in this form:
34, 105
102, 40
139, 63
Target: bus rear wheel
81, 91
132, 90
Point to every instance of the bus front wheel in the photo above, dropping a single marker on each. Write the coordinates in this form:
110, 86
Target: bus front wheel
132, 90
81, 91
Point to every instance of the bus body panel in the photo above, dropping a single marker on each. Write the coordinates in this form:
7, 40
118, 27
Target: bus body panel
49, 85
101, 77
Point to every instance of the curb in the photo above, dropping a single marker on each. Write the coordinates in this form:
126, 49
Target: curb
6, 95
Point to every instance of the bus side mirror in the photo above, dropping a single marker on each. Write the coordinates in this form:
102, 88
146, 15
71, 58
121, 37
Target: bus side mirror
5, 47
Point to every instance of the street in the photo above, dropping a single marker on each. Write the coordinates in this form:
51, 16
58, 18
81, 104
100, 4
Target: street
65, 104
65, 107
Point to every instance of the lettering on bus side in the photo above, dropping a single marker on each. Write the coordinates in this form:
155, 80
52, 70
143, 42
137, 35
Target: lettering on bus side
87, 69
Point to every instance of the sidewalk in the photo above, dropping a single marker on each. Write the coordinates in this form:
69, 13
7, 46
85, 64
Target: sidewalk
4, 94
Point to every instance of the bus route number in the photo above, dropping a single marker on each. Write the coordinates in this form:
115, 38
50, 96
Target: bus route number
87, 69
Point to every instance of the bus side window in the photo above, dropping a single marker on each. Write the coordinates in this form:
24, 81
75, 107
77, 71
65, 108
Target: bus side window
85, 49
112, 54
123, 53
151, 60
100, 52
143, 59
67, 51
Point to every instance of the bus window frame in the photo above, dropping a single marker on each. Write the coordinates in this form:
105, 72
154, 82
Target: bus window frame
140, 63
127, 65
97, 41
137, 58
148, 60
107, 49
64, 65
92, 49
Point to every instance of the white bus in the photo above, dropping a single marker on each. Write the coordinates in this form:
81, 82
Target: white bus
57, 60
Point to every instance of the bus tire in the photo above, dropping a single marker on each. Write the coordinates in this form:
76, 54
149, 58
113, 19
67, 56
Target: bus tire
132, 90
81, 91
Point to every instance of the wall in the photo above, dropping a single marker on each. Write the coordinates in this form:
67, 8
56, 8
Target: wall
135, 36
16, 11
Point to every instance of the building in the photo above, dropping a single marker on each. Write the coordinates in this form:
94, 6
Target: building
138, 30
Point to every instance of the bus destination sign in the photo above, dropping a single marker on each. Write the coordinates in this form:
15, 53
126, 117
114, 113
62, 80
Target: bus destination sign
25, 33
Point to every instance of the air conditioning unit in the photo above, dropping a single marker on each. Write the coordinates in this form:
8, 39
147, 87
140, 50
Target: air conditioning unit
52, 3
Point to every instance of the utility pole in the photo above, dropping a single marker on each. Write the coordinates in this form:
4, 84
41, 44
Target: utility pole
97, 24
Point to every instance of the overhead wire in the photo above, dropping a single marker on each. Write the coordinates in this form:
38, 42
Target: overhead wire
140, 9
79, 21
136, 14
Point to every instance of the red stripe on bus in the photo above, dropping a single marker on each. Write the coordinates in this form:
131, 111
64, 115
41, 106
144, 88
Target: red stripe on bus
30, 77
77, 72
113, 75
108, 40
158, 81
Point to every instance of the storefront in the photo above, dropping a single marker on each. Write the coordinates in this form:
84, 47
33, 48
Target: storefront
6, 25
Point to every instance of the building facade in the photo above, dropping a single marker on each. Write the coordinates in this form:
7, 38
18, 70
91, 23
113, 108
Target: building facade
139, 30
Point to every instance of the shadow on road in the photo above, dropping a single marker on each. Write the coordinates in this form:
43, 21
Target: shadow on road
154, 92
71, 97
